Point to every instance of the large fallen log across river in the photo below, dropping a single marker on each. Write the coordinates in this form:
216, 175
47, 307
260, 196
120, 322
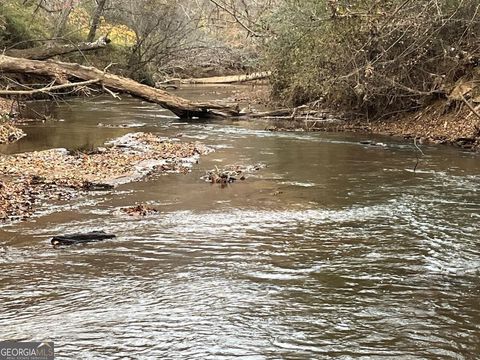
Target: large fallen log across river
65, 73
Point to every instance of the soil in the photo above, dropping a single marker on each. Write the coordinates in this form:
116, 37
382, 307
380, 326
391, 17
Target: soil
436, 124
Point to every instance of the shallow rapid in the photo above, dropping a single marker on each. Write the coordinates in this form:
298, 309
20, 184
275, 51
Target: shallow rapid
335, 250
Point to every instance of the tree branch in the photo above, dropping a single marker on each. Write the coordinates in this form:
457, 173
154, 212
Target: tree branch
48, 89
234, 15
47, 52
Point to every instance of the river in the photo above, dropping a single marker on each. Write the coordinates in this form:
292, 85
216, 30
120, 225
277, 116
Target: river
335, 250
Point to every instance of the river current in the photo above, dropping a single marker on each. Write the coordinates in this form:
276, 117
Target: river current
334, 250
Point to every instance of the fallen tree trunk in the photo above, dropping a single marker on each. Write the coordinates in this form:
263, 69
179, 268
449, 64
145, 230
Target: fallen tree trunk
64, 72
227, 79
48, 51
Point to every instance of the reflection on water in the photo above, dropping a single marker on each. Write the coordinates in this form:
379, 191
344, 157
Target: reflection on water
335, 250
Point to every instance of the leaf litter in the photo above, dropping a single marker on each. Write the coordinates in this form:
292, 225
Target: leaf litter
30, 178
230, 173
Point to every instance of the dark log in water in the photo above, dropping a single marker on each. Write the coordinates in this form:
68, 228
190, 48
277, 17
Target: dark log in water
80, 238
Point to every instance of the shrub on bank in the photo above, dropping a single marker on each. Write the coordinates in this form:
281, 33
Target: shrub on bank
18, 25
373, 56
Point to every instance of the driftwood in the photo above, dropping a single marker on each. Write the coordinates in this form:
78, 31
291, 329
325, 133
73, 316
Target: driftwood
48, 51
48, 89
79, 238
273, 113
227, 79
63, 73
299, 112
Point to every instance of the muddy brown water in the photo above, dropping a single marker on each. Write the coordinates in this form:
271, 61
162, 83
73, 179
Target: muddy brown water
335, 250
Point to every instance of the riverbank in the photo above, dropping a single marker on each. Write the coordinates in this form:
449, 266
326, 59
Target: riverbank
29, 179
434, 124
427, 126
8, 131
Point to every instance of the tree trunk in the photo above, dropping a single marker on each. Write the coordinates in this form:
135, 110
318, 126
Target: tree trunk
63, 72
96, 20
62, 23
49, 51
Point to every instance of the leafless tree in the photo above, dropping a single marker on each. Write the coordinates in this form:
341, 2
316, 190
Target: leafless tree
99, 9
